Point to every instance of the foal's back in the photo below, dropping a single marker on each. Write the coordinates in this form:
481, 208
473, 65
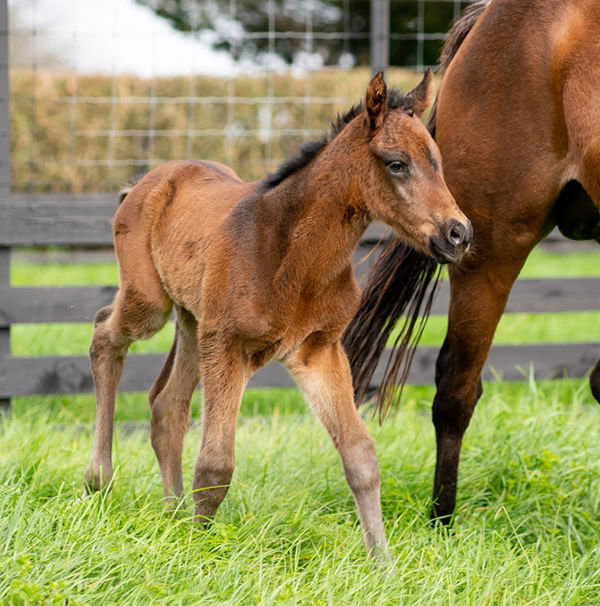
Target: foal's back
171, 217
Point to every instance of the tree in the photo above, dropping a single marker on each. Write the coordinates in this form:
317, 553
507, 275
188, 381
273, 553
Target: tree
242, 27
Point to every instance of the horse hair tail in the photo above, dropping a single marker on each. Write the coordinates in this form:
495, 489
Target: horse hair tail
456, 36
402, 282
459, 31
128, 186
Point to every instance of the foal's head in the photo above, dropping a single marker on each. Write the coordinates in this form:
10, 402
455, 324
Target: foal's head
401, 178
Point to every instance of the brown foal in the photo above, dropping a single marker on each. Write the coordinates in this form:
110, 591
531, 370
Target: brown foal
261, 271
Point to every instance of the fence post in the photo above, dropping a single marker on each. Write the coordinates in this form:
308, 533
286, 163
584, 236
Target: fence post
4, 172
380, 35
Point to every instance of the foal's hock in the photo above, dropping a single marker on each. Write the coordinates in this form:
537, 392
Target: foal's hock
261, 271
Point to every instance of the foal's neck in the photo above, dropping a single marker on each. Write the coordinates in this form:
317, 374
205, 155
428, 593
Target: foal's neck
320, 217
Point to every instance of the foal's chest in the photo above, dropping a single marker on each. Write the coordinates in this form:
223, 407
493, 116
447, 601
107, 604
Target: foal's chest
286, 328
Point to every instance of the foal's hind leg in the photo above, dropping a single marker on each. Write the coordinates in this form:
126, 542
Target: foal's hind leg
170, 398
137, 313
107, 356
323, 373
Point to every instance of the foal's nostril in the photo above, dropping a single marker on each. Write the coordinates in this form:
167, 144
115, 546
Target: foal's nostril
458, 233
455, 235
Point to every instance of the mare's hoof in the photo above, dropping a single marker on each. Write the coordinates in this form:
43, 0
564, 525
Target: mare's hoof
441, 521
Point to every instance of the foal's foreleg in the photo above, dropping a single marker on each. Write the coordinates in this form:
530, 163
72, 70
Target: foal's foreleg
323, 374
224, 375
170, 398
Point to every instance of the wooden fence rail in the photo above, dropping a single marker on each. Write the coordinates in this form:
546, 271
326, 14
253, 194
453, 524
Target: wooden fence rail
86, 221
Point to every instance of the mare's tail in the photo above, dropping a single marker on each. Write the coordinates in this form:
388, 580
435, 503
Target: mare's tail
402, 282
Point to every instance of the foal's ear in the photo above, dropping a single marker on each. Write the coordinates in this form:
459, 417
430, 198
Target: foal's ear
376, 102
420, 98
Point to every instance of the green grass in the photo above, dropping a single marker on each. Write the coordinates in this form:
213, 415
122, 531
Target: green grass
527, 525
543, 263
527, 528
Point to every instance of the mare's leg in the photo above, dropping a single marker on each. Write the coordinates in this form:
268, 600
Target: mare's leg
590, 179
587, 136
581, 106
224, 374
478, 297
595, 381
170, 398
137, 313
323, 374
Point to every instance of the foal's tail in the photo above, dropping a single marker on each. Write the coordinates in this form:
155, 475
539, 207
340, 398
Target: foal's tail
128, 186
402, 282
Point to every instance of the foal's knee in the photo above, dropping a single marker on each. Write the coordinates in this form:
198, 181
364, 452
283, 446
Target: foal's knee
104, 347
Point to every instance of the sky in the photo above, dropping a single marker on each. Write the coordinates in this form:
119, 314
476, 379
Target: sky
108, 36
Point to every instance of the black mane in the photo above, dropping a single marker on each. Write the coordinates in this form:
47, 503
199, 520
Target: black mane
311, 149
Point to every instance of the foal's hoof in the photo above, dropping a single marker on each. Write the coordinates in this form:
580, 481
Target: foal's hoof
98, 479
202, 521
175, 506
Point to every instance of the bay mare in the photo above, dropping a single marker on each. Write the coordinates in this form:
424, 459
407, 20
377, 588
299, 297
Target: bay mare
262, 271
517, 122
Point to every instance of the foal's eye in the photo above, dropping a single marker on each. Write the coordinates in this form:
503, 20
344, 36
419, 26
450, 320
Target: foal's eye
398, 168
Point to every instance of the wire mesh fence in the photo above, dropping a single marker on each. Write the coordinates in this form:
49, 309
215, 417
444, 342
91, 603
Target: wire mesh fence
104, 90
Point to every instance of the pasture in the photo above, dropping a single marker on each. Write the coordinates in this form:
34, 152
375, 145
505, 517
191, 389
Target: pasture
527, 527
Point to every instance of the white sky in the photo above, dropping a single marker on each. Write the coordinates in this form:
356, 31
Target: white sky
112, 36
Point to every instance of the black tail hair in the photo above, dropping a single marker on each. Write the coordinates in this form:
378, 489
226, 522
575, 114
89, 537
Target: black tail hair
402, 282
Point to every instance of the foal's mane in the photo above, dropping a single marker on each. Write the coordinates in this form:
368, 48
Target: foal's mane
311, 149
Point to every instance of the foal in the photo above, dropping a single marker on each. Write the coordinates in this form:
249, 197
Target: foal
261, 271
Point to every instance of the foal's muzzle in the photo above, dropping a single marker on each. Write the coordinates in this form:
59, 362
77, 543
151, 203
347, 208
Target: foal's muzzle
452, 241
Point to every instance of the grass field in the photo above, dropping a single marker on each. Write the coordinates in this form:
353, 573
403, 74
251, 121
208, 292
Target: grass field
527, 528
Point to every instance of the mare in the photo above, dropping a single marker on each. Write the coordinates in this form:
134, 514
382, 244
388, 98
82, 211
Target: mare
516, 121
261, 271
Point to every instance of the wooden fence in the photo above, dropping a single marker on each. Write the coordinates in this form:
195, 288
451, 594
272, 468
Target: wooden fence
37, 221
